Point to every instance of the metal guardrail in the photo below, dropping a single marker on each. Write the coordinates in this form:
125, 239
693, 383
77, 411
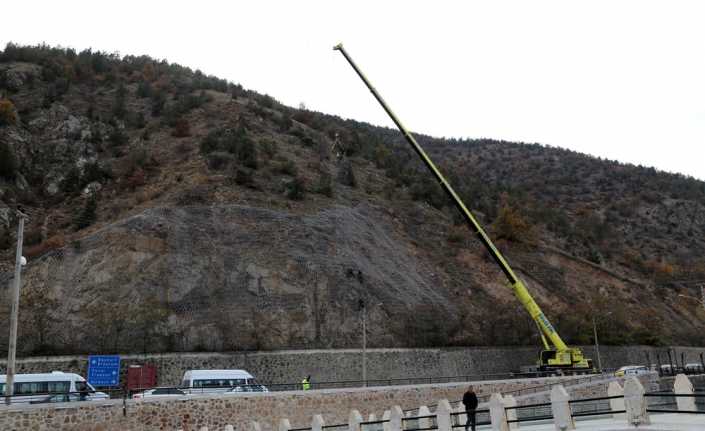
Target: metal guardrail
57, 397
660, 406
373, 425
530, 412
413, 423
482, 417
596, 406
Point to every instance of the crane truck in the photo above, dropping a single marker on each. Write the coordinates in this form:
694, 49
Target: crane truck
556, 356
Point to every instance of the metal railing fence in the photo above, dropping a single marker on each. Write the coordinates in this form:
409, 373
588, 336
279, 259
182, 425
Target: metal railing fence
597, 406
459, 419
666, 402
413, 423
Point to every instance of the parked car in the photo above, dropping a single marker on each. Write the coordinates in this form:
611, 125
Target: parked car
694, 368
160, 392
249, 388
668, 369
631, 370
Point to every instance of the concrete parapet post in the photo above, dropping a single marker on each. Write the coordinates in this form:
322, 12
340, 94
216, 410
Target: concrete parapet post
426, 422
395, 417
372, 418
317, 423
497, 413
354, 421
203, 429
443, 411
635, 403
617, 404
229, 428
284, 425
510, 401
254, 426
683, 386
385, 417
562, 418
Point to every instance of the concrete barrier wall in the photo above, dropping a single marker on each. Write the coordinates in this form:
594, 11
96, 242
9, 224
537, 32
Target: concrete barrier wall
215, 412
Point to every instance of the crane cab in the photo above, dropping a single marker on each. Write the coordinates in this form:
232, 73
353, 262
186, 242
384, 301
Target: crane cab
568, 361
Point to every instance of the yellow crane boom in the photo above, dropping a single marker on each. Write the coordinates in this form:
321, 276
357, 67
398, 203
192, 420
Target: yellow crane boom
560, 356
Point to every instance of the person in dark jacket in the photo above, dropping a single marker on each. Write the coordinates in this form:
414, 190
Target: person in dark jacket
470, 402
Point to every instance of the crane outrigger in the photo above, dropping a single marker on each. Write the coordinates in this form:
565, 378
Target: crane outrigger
556, 354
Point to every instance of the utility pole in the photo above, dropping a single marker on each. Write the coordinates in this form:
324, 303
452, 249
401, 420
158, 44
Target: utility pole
10, 380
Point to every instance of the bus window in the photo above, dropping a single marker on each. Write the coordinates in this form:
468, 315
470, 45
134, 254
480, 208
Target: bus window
59, 387
27, 388
218, 383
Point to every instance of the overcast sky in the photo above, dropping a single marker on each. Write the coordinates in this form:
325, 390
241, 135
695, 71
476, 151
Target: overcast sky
621, 80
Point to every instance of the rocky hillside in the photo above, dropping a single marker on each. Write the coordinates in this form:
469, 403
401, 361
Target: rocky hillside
170, 210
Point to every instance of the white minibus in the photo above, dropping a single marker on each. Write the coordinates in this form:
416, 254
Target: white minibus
215, 381
51, 387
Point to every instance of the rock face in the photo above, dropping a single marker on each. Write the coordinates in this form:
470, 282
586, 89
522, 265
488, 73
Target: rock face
16, 75
243, 278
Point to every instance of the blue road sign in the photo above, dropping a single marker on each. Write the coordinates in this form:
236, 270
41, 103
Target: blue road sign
104, 370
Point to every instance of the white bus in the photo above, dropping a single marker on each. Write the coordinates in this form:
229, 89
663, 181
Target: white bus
216, 381
54, 387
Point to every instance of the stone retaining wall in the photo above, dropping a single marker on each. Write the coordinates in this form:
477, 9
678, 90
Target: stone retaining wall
215, 412
341, 365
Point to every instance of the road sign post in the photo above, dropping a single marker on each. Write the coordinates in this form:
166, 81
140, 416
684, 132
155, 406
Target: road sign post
104, 370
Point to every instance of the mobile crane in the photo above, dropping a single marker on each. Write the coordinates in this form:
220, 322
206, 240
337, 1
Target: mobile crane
556, 356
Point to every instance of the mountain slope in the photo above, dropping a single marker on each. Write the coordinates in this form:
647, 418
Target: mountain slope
175, 211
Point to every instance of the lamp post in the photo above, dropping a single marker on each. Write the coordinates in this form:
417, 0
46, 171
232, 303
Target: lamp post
597, 344
12, 342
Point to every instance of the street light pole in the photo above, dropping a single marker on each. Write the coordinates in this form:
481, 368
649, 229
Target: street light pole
597, 345
12, 345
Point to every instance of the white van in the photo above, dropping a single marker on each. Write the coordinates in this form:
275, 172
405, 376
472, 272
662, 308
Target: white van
632, 370
51, 387
215, 381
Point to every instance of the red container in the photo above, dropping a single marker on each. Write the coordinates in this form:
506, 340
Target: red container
141, 377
